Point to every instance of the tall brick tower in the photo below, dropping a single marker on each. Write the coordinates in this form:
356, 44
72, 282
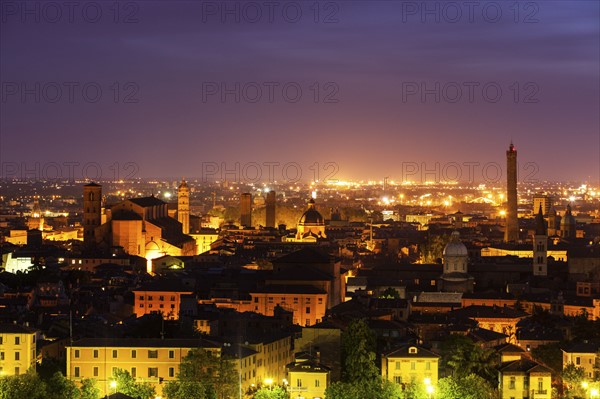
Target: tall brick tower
183, 206
92, 202
511, 234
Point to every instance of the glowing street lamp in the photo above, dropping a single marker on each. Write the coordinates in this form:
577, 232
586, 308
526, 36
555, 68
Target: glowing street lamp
430, 390
269, 382
113, 385
594, 393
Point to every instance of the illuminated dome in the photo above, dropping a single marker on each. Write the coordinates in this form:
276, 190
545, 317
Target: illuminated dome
455, 247
311, 216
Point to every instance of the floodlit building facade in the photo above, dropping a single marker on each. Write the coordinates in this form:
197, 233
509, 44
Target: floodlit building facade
17, 349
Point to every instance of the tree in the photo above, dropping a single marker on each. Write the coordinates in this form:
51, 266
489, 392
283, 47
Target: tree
358, 352
462, 357
215, 376
185, 390
89, 390
127, 385
573, 377
550, 355
24, 386
274, 393
59, 387
469, 387
390, 293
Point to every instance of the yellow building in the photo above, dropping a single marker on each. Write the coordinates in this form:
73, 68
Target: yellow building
159, 297
307, 379
17, 349
585, 355
410, 364
307, 303
525, 378
204, 238
147, 360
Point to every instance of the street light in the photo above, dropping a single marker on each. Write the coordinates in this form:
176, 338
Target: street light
269, 382
430, 390
113, 385
594, 393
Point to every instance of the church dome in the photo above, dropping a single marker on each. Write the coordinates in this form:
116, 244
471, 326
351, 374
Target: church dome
567, 220
455, 247
311, 216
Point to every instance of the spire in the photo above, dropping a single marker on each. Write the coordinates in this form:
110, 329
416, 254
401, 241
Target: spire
540, 223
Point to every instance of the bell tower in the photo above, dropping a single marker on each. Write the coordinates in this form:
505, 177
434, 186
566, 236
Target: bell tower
92, 202
183, 206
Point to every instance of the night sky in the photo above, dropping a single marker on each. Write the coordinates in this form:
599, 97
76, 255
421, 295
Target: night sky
361, 58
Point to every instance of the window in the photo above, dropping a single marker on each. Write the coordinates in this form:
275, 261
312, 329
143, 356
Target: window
141, 297
172, 298
76, 371
577, 360
298, 382
133, 372
512, 382
320, 300
95, 353
1, 340
153, 354
161, 298
413, 365
540, 384
255, 299
427, 365
152, 372
76, 353
308, 310
133, 354
317, 383
141, 305
114, 354
397, 365
17, 356
171, 372
95, 371
398, 379
17, 371
149, 297
1, 355
171, 354
161, 306
114, 370
17, 340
